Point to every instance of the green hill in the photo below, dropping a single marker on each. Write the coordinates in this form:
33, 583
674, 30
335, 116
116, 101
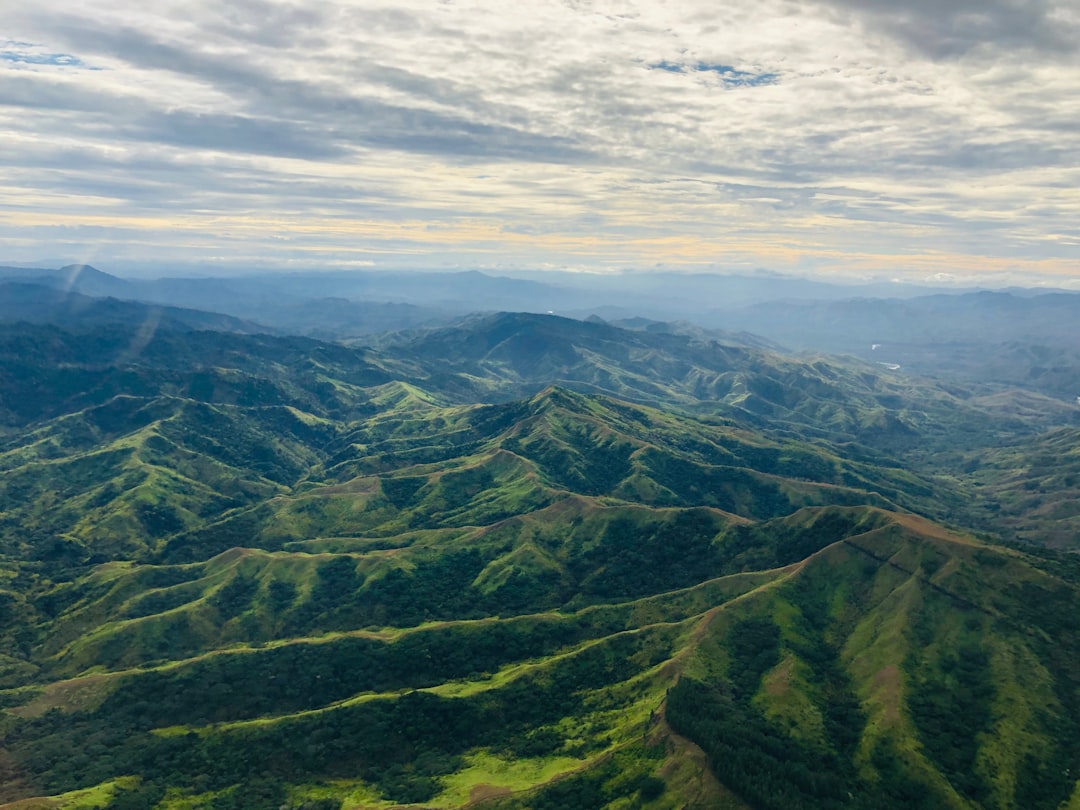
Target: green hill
1030, 488
895, 664
459, 571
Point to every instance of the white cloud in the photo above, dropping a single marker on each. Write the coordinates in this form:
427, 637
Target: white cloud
853, 136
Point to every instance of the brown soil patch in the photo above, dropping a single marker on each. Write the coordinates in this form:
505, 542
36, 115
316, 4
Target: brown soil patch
364, 485
79, 693
778, 681
887, 685
481, 792
929, 529
11, 784
687, 768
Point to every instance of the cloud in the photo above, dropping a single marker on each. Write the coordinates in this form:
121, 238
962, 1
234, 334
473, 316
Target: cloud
293, 116
955, 28
590, 131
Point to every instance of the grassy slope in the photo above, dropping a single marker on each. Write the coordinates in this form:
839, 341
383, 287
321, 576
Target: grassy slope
911, 659
1030, 489
388, 598
904, 662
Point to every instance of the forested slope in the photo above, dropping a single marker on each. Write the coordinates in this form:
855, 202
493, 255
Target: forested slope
458, 569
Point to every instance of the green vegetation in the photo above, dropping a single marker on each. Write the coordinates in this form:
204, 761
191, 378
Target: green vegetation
246, 571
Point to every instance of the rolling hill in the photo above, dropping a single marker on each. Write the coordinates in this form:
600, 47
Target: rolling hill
524, 562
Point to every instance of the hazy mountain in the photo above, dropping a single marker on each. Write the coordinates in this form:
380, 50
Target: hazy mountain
794, 312
41, 304
283, 305
1016, 338
953, 336
81, 278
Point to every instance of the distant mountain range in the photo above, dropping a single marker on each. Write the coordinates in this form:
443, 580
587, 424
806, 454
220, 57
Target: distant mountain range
35, 303
1019, 338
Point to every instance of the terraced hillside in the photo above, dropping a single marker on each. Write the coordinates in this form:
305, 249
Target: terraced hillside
269, 572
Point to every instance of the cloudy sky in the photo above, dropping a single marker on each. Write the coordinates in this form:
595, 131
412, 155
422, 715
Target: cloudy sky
914, 139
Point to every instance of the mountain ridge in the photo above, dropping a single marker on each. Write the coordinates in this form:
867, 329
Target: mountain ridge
418, 573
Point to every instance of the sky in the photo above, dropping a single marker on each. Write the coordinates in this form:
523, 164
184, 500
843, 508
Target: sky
923, 140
